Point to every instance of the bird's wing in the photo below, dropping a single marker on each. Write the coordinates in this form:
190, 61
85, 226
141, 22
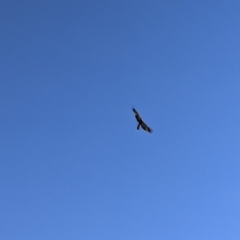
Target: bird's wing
145, 127
136, 115
135, 112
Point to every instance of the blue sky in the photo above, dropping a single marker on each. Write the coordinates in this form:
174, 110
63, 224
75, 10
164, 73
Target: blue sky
73, 165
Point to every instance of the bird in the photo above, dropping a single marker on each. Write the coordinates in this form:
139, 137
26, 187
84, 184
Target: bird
141, 123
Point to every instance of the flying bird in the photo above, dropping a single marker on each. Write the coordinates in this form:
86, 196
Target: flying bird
141, 123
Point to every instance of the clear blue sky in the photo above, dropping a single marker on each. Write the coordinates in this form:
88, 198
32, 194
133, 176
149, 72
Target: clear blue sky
72, 164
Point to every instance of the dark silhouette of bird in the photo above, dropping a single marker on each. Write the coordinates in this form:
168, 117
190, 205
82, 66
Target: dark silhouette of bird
141, 123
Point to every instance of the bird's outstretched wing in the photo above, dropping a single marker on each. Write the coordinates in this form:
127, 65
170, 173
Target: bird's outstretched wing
136, 115
146, 127
135, 111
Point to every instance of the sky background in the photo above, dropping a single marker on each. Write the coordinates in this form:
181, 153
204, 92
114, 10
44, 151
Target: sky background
72, 164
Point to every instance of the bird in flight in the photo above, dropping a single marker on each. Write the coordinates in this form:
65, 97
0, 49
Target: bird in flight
141, 123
